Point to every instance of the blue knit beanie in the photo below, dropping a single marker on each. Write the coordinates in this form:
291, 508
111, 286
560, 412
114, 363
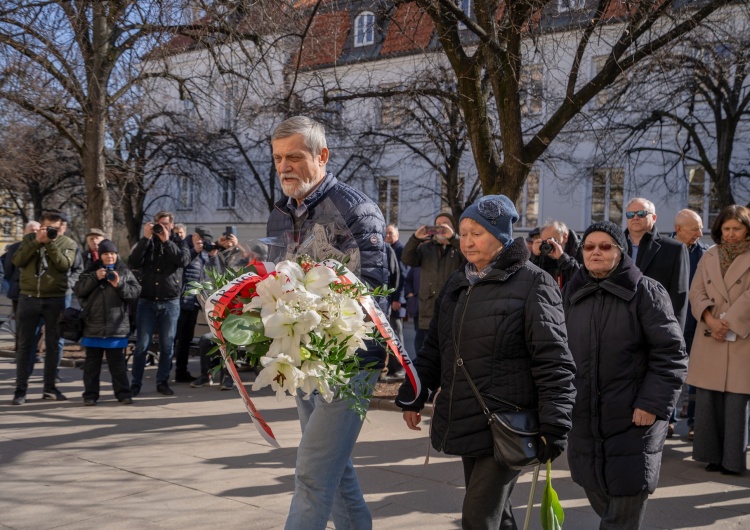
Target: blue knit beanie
496, 214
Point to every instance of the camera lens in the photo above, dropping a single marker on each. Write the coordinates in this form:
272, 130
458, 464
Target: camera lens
208, 245
545, 248
51, 232
158, 229
110, 276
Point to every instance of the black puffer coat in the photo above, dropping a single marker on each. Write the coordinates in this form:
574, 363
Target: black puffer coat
510, 330
629, 353
106, 307
160, 266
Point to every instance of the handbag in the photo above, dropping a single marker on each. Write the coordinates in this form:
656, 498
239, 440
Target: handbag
70, 324
515, 433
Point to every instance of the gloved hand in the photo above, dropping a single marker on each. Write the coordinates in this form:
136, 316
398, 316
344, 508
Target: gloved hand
550, 447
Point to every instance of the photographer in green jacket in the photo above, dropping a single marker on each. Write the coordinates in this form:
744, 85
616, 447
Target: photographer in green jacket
44, 259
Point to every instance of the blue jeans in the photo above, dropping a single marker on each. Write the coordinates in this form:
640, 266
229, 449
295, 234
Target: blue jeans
325, 482
161, 317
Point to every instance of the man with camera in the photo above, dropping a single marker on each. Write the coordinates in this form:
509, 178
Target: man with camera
203, 249
44, 259
549, 252
159, 257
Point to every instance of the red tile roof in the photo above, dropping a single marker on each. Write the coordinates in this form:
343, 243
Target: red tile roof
410, 28
325, 41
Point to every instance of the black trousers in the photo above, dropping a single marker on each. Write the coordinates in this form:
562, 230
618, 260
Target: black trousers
31, 311
183, 338
619, 512
92, 370
488, 489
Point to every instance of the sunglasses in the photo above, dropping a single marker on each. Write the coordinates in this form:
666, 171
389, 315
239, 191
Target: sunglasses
639, 213
589, 247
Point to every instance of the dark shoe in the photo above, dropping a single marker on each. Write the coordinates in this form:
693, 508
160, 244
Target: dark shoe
227, 383
126, 401
163, 388
184, 378
714, 467
203, 380
670, 430
135, 390
54, 395
89, 402
19, 399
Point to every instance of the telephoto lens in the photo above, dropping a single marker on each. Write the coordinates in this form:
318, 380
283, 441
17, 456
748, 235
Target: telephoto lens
158, 229
51, 232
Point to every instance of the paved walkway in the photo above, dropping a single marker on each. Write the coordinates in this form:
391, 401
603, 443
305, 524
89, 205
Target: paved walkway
194, 460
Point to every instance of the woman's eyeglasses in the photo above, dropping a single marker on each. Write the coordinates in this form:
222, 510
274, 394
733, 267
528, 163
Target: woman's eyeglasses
589, 247
639, 213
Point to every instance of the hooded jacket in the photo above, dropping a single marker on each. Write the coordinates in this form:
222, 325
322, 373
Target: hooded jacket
510, 330
106, 307
629, 353
44, 268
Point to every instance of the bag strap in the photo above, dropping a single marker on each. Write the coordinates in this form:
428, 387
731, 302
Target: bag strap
485, 410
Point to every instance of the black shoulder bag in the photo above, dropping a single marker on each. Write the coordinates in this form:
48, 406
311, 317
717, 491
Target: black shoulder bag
515, 434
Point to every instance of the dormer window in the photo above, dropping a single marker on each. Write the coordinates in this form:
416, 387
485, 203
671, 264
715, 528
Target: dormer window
364, 29
570, 5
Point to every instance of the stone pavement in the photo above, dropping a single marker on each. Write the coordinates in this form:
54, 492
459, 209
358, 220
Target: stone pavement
194, 460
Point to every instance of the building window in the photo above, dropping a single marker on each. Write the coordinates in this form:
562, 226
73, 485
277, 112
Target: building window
607, 194
613, 94
702, 197
186, 193
228, 192
364, 29
527, 204
393, 111
388, 199
564, 6
531, 91
229, 107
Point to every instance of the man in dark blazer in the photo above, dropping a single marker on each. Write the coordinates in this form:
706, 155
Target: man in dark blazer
659, 257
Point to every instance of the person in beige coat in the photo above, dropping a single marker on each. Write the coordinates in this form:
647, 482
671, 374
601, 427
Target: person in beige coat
720, 357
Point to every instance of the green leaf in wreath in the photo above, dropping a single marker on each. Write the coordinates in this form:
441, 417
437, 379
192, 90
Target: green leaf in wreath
551, 512
243, 329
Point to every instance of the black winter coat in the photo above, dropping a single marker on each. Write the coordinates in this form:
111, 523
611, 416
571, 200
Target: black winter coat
106, 307
629, 353
666, 260
510, 330
160, 267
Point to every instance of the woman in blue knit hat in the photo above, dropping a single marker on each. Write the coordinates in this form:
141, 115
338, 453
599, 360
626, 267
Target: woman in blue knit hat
502, 317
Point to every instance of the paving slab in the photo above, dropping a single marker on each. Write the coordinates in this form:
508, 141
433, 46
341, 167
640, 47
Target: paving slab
194, 459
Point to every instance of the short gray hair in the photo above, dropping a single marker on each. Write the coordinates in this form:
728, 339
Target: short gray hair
313, 133
649, 205
560, 227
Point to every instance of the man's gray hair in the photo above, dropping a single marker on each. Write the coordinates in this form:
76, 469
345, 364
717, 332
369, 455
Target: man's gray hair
560, 227
649, 205
313, 133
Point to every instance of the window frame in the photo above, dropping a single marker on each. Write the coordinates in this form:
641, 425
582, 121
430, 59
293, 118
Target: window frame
524, 205
607, 200
228, 196
391, 213
186, 190
364, 35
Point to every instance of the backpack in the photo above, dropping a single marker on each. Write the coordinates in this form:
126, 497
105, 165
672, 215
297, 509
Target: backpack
70, 324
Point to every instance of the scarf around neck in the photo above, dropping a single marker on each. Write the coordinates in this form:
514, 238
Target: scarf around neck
729, 251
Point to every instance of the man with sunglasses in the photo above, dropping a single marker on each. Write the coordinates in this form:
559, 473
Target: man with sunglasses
44, 259
659, 257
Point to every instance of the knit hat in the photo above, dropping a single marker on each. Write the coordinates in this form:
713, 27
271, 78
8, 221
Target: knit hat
496, 214
204, 232
107, 246
95, 232
609, 228
450, 218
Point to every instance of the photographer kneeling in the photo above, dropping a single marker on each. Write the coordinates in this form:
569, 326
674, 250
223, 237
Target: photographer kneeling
105, 289
549, 252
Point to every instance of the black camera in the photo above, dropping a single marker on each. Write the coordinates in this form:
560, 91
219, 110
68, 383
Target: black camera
157, 228
545, 248
52, 232
209, 245
110, 276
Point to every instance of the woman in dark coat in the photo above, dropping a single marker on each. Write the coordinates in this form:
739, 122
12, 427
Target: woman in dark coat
105, 289
630, 364
505, 317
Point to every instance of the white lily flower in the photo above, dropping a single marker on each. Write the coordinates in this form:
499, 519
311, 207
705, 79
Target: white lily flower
279, 372
288, 330
294, 274
319, 279
314, 379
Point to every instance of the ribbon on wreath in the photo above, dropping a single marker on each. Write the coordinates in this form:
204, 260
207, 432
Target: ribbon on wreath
216, 308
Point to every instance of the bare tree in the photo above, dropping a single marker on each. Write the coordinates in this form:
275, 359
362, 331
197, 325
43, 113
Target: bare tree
698, 95
488, 50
